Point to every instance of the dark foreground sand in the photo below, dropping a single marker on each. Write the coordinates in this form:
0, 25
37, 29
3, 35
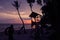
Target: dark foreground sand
25, 36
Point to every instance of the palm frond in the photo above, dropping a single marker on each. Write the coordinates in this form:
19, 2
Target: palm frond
15, 4
39, 2
30, 1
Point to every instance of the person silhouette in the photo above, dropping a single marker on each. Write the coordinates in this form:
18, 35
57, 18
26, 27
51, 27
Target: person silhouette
10, 31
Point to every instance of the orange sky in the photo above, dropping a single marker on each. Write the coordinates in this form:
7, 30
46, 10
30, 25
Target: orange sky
27, 21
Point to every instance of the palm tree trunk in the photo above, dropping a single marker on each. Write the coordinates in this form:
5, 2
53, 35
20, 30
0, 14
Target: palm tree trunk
21, 20
23, 27
31, 7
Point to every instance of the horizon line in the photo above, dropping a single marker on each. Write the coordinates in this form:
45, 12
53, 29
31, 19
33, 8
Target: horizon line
11, 23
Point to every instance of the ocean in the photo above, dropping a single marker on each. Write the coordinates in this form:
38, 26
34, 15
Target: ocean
16, 26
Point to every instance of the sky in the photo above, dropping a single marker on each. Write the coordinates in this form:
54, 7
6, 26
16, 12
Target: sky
8, 13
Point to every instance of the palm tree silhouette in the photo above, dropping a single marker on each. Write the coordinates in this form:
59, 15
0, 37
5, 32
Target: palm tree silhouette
43, 8
30, 3
39, 2
16, 5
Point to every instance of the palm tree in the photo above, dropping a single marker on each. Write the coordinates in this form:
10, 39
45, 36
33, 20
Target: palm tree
16, 5
30, 3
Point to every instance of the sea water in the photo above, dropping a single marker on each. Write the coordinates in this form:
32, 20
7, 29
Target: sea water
16, 26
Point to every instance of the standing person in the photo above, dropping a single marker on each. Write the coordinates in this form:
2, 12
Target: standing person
10, 31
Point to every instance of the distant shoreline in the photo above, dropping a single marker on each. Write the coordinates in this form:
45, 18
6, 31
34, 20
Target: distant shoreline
13, 24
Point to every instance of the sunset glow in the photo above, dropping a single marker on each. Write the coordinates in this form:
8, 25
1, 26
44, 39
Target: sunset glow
9, 14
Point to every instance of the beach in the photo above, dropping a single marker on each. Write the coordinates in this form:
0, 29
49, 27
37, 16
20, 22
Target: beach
23, 36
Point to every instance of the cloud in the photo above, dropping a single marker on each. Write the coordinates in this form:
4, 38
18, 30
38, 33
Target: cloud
1, 7
9, 18
9, 13
15, 13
